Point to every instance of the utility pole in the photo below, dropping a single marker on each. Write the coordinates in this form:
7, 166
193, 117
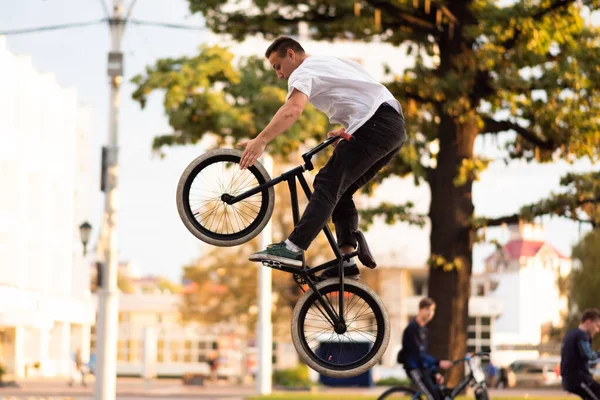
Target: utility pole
264, 326
108, 306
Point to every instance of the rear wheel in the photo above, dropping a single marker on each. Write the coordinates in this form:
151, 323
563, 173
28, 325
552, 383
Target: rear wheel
346, 354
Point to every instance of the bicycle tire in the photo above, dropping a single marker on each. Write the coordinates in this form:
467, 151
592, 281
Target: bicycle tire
412, 394
354, 368
196, 227
481, 393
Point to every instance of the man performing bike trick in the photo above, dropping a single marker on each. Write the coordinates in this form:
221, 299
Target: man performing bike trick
365, 108
421, 367
576, 354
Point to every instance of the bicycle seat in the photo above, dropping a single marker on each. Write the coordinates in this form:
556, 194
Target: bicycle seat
364, 254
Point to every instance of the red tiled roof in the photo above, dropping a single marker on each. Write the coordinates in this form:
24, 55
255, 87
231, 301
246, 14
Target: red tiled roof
518, 248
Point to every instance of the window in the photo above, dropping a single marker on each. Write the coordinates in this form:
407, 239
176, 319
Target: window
122, 351
419, 288
187, 353
135, 349
481, 289
175, 350
160, 353
479, 334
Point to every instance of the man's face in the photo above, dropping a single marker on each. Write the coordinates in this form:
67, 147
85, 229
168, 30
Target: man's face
284, 66
426, 314
592, 326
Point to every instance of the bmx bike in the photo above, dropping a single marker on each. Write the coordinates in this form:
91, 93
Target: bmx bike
340, 327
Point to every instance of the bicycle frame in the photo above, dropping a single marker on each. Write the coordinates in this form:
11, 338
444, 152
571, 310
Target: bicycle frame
467, 380
290, 177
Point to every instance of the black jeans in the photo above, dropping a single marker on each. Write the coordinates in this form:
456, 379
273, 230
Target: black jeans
425, 383
352, 165
573, 384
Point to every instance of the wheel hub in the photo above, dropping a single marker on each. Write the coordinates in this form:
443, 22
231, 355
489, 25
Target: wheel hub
226, 197
340, 328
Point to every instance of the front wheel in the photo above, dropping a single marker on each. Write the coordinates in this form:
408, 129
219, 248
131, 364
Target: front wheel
481, 393
400, 393
200, 198
351, 352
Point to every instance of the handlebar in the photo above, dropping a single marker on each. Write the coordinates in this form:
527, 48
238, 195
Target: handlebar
468, 357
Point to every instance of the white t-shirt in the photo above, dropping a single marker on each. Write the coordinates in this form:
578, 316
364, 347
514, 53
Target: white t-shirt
340, 88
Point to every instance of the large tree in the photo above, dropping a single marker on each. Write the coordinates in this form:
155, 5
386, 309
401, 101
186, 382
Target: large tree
528, 68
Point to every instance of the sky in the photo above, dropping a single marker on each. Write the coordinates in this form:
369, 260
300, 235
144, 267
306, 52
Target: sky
150, 232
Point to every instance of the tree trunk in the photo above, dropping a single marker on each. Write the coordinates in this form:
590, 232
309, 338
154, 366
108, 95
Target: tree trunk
450, 213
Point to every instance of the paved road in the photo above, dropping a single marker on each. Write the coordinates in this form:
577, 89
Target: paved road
163, 389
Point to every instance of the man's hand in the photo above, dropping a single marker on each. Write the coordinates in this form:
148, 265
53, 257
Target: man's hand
336, 132
254, 149
439, 379
445, 364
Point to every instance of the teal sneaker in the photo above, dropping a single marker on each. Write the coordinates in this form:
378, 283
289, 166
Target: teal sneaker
279, 253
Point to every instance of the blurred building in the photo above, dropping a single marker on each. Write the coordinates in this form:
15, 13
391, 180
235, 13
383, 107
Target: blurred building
46, 309
525, 273
184, 348
401, 289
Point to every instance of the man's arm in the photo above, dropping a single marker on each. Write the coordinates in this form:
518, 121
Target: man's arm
285, 116
281, 121
585, 349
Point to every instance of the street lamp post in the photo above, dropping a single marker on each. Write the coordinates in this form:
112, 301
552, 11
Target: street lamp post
84, 231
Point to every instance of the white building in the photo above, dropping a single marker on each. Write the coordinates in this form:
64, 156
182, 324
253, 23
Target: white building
45, 307
184, 348
401, 289
524, 274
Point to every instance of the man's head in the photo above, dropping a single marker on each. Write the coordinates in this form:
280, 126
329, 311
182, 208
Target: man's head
590, 321
285, 55
426, 310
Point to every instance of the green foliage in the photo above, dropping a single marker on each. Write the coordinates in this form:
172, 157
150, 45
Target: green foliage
438, 261
584, 279
393, 214
207, 95
292, 377
391, 381
579, 201
534, 62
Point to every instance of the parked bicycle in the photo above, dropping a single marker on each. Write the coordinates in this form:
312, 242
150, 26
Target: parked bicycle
474, 378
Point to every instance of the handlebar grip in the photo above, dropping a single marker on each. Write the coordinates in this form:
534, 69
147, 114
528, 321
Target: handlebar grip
346, 136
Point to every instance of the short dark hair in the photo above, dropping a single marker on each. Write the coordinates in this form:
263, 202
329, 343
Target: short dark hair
426, 302
590, 314
281, 45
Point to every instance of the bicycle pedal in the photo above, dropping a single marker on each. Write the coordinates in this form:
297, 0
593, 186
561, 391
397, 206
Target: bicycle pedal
272, 264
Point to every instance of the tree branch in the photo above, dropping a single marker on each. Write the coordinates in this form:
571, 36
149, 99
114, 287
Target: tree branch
416, 23
515, 218
406, 92
493, 126
510, 43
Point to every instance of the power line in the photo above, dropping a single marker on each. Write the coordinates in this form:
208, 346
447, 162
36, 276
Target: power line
52, 27
167, 25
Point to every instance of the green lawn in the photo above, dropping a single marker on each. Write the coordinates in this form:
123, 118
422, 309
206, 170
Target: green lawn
337, 396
